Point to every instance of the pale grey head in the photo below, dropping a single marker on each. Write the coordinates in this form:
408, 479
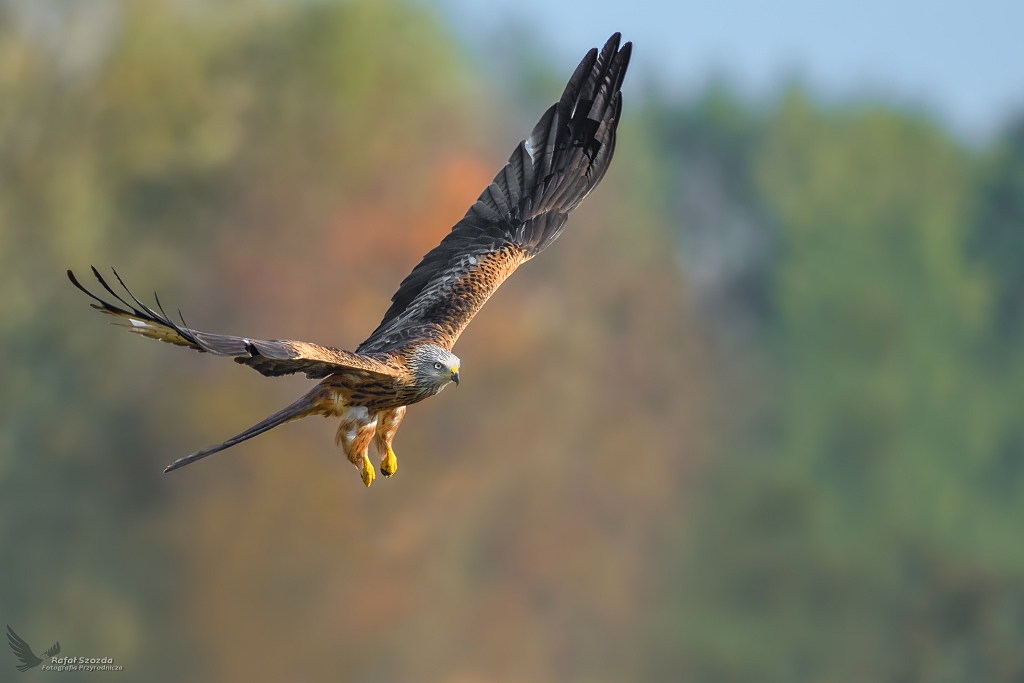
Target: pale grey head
434, 367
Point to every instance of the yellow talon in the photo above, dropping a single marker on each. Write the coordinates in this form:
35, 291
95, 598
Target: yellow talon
389, 465
367, 471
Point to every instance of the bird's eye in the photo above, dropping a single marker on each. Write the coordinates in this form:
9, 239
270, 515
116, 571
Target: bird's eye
438, 366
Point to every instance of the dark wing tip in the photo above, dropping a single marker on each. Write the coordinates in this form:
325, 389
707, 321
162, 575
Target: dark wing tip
138, 310
612, 44
181, 462
76, 283
624, 54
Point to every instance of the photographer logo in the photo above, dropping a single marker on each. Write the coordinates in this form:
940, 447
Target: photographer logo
28, 659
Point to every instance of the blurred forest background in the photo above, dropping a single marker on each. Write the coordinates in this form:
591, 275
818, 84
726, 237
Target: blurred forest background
756, 416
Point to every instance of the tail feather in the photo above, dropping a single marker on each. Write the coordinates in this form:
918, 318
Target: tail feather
307, 405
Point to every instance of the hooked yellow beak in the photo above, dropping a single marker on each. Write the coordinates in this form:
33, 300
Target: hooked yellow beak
455, 376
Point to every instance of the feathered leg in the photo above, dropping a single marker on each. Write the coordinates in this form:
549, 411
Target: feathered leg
387, 425
354, 436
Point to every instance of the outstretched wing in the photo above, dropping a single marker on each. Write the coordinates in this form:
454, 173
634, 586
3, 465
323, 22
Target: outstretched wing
53, 651
22, 651
269, 357
521, 212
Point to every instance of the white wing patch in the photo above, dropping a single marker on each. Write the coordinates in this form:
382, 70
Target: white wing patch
137, 323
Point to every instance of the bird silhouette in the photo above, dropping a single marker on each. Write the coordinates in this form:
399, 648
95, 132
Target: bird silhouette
24, 653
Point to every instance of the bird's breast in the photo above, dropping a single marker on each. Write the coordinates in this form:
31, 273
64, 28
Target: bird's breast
350, 390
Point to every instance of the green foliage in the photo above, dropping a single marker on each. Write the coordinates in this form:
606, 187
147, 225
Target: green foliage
855, 530
999, 235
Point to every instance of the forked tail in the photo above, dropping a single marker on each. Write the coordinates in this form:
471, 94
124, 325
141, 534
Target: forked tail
307, 405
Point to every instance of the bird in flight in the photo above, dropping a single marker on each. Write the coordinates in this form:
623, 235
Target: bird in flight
409, 356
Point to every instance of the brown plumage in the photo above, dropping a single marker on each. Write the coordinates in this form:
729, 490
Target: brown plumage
408, 357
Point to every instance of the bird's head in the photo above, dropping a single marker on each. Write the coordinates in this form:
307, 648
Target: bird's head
435, 366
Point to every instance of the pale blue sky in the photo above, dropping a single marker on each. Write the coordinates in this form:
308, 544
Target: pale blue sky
962, 60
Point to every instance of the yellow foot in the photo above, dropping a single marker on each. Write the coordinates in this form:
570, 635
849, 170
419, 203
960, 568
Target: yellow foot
389, 463
367, 471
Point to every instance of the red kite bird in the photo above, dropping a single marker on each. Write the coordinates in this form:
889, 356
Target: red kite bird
408, 357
